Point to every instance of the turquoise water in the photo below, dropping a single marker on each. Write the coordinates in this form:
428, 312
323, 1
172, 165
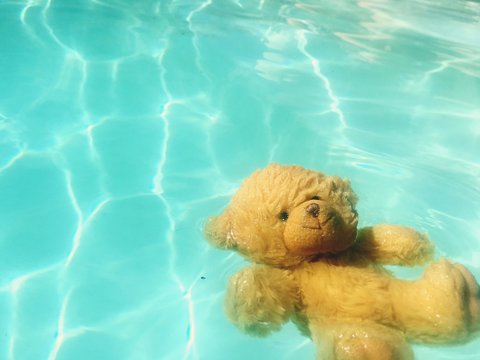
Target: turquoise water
124, 124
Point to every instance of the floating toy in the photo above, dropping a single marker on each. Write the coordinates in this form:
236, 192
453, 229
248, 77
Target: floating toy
314, 267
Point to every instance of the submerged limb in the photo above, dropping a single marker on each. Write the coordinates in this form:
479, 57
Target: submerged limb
361, 341
443, 306
394, 244
260, 299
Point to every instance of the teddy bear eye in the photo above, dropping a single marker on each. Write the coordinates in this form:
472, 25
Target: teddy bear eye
315, 198
283, 216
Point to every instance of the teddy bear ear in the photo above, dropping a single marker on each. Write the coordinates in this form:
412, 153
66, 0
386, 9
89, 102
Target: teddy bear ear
218, 232
342, 187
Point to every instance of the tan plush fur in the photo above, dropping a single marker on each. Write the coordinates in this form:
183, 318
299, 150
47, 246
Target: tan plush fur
314, 268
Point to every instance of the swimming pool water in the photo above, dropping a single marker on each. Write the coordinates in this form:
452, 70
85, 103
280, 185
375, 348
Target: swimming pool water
125, 124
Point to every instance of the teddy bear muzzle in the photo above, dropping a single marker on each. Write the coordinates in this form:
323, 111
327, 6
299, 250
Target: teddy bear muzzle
316, 227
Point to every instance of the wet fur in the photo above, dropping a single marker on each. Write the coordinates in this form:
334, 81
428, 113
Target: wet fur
343, 298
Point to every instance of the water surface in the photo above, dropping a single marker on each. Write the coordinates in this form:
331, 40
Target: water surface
124, 124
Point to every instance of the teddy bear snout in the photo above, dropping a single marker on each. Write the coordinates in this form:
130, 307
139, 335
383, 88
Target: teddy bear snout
313, 209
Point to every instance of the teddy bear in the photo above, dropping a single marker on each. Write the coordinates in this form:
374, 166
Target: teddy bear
311, 265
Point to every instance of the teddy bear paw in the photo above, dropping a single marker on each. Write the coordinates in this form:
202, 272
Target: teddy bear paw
471, 296
458, 292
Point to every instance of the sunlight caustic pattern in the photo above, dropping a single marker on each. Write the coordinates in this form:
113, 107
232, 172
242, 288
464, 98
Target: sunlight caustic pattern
124, 125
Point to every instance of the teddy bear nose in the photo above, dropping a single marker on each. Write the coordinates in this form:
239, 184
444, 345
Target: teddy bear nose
313, 209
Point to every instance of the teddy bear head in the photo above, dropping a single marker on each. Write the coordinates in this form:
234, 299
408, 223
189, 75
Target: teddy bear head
284, 215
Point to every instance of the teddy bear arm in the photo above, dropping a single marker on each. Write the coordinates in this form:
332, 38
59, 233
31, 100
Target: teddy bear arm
394, 244
260, 299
